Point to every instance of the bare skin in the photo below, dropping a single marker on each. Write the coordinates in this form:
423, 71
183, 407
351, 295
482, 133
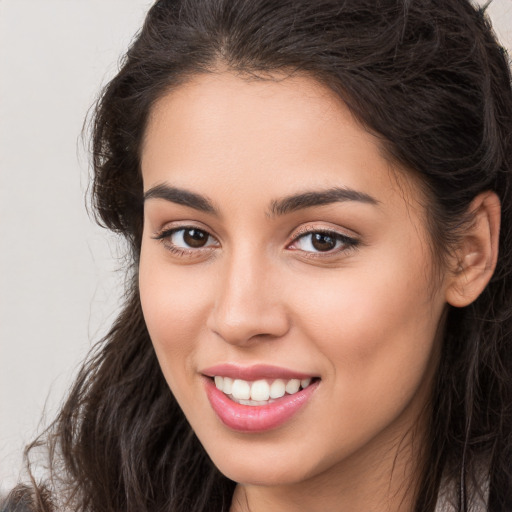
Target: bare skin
341, 288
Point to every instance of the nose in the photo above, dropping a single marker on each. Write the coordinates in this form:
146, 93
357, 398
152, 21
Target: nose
248, 303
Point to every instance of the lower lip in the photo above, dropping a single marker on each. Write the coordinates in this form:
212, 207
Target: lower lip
248, 418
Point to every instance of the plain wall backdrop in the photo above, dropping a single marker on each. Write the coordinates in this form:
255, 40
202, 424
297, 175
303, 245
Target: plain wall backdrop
59, 281
59, 285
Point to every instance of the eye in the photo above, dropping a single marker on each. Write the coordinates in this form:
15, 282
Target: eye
185, 239
191, 238
323, 242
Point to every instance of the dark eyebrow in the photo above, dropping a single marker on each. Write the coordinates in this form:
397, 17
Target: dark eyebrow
180, 196
308, 199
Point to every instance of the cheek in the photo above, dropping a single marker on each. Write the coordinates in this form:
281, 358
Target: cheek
174, 311
377, 331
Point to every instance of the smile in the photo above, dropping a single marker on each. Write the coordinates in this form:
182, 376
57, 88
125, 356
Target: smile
260, 392
258, 398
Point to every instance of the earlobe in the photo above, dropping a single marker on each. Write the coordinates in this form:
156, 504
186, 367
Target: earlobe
477, 253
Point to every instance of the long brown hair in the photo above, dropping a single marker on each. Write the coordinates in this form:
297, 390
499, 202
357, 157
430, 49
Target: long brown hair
426, 76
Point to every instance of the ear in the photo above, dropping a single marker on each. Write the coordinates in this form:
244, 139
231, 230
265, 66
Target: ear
477, 253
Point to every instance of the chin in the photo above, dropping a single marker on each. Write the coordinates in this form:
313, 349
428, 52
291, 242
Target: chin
264, 464
261, 472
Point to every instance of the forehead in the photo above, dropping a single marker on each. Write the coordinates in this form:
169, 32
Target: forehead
263, 136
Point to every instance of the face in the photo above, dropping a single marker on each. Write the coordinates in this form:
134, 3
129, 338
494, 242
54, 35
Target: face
286, 261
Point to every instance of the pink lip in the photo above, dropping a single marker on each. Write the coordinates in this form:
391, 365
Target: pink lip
248, 418
254, 372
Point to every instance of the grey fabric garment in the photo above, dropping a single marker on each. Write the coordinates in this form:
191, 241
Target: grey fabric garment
10, 506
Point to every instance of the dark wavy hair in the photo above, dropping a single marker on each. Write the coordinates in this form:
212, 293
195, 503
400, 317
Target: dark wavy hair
430, 80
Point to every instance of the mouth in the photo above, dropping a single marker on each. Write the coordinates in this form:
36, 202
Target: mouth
258, 398
260, 392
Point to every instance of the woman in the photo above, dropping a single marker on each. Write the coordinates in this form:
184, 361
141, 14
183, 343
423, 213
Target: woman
320, 302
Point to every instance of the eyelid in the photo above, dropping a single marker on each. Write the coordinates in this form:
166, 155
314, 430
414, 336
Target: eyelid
323, 228
171, 227
165, 232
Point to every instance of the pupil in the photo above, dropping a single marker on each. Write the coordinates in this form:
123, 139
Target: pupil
323, 242
195, 237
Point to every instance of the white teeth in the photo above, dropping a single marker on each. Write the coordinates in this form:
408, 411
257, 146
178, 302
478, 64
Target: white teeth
252, 402
304, 383
260, 390
241, 389
277, 388
292, 386
228, 385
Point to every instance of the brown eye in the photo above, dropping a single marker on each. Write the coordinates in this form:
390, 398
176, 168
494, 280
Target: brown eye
323, 241
187, 238
195, 237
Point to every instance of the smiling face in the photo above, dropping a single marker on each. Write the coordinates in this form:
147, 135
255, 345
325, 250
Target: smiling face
280, 245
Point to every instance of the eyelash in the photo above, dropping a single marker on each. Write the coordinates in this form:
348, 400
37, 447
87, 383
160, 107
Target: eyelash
347, 243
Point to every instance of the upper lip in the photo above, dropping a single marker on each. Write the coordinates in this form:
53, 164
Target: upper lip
254, 372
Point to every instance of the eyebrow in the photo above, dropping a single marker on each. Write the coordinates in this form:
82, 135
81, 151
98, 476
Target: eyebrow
278, 207
318, 198
181, 196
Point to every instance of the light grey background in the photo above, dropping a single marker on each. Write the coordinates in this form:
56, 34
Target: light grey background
58, 284
59, 287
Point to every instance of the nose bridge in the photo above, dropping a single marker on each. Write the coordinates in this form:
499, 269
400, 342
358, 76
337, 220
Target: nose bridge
247, 304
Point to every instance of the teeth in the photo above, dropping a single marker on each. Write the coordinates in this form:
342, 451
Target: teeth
227, 385
292, 386
252, 402
304, 383
277, 388
241, 389
219, 382
260, 391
